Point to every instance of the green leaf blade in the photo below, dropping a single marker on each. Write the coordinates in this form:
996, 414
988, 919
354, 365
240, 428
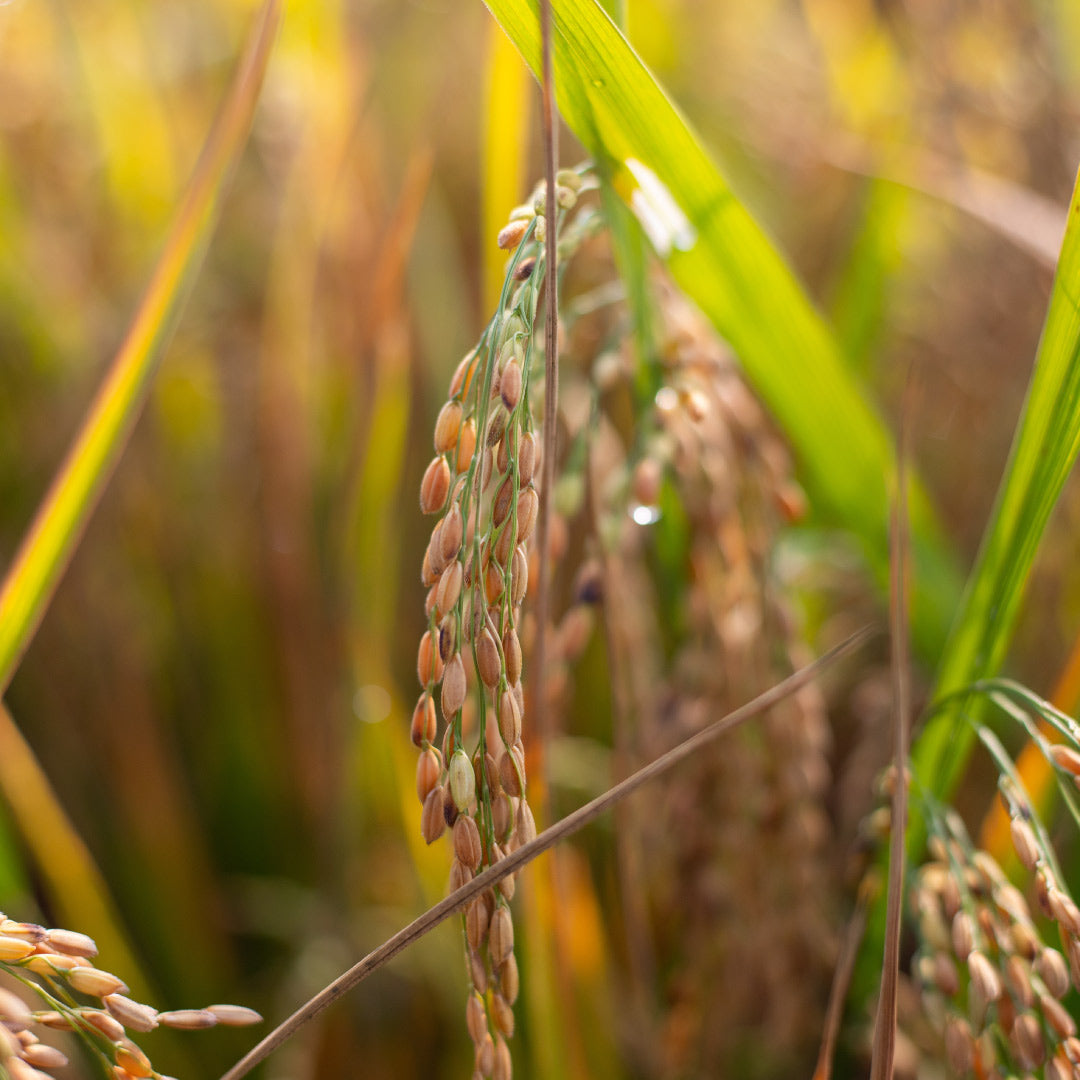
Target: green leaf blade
1045, 448
44, 554
725, 261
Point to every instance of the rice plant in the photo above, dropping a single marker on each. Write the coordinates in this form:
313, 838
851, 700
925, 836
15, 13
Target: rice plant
660, 469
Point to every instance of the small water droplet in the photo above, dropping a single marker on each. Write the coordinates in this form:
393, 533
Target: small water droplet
599, 83
645, 515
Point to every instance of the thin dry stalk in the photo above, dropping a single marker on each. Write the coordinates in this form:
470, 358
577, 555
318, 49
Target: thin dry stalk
551, 365
845, 966
513, 862
885, 1034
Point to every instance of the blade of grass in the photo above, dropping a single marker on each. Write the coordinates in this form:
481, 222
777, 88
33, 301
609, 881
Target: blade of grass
513, 862
47, 549
1044, 449
721, 257
506, 139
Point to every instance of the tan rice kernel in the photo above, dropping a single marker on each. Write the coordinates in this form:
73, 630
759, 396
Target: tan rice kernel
1072, 953
467, 844
478, 972
1027, 847
1058, 1068
519, 575
461, 380
527, 458
504, 497
512, 655
109, 1027
1026, 1041
449, 589
460, 875
477, 920
53, 1020
235, 1015
1054, 972
508, 979
959, 1045
512, 772
131, 1058
984, 977
435, 486
88, 980
941, 972
511, 235
493, 583
20, 1070
500, 935
425, 722
44, 1057
429, 665
504, 545
1019, 981
454, 688
487, 658
132, 1014
466, 446
12, 948
485, 1055
963, 935
476, 1018
428, 770
432, 817
1057, 1016
448, 427
525, 828
503, 1068
1066, 757
14, 1012
9, 1043
527, 509
502, 1014
26, 931
509, 718
1064, 911
510, 385
501, 815
188, 1019
1024, 940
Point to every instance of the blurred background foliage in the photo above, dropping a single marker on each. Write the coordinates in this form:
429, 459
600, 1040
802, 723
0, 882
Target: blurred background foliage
220, 691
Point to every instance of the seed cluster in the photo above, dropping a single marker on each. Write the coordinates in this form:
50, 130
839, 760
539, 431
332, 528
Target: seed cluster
990, 985
740, 930
481, 485
56, 965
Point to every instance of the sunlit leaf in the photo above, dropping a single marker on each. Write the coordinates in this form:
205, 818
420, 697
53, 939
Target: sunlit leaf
1044, 450
723, 259
47, 549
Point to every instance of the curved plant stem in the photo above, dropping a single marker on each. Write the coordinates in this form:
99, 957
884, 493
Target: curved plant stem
1035, 771
527, 852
